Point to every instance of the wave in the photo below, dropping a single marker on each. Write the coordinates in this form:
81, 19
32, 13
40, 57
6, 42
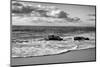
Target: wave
40, 47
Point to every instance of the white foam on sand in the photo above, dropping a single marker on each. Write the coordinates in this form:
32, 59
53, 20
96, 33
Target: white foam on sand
39, 48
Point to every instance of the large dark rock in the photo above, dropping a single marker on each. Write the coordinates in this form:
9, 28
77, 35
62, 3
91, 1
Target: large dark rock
81, 38
54, 37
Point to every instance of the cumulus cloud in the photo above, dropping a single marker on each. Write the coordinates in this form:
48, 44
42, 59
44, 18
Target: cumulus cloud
44, 11
20, 8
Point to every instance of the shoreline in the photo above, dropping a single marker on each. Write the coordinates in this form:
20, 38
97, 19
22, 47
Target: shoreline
66, 57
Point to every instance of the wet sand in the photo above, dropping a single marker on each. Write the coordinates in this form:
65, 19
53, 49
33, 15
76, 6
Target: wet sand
71, 56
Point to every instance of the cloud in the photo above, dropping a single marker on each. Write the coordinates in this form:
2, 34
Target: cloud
41, 14
19, 8
75, 19
91, 14
92, 19
39, 10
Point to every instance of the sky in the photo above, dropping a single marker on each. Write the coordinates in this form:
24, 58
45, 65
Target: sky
80, 11
84, 12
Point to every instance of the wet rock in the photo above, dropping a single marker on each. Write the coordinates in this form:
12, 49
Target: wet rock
54, 37
80, 38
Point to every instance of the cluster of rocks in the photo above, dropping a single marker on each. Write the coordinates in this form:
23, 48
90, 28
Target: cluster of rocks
53, 38
58, 38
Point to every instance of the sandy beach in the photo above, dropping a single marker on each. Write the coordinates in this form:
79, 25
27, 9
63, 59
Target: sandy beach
71, 56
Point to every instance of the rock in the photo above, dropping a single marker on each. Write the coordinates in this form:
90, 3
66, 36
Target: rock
81, 38
53, 37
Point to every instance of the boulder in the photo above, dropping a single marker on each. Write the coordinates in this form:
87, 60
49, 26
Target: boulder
81, 38
54, 37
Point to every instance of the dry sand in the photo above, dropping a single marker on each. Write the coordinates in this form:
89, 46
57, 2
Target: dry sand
71, 56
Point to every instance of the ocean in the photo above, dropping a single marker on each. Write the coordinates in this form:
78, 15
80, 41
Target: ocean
35, 45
